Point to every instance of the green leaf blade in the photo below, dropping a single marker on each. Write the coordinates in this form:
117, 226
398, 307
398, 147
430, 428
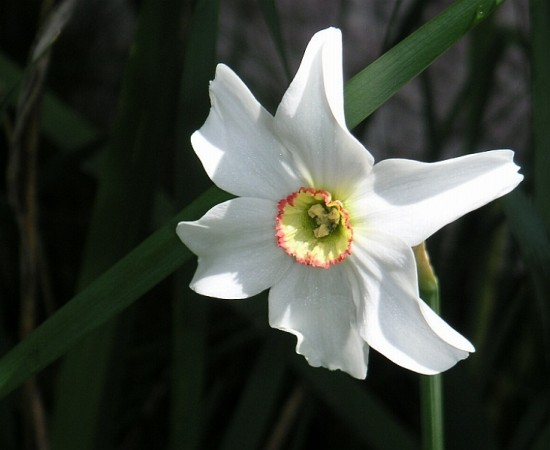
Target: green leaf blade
374, 85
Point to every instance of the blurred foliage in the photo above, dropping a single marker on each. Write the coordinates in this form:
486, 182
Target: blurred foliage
104, 160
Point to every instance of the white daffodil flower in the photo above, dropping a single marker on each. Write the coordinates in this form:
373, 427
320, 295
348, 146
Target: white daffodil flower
325, 229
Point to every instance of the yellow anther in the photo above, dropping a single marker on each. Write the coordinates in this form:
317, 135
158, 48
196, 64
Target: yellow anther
321, 231
327, 220
317, 211
334, 216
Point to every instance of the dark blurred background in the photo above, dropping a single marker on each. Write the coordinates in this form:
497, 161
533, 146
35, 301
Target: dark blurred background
248, 387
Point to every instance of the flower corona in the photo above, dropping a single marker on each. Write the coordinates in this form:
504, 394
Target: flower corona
314, 228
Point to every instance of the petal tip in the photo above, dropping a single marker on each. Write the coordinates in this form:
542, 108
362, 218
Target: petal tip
180, 227
327, 34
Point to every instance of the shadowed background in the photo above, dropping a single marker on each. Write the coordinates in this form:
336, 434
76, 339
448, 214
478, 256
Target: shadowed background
95, 146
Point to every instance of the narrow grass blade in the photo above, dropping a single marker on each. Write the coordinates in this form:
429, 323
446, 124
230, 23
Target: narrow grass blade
190, 314
134, 275
130, 172
269, 10
371, 87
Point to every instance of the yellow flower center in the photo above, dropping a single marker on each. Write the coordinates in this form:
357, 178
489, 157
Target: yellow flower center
313, 228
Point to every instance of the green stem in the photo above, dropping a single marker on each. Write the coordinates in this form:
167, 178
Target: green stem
431, 386
431, 391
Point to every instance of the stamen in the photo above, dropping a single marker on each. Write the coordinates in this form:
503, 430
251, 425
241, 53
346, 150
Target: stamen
327, 220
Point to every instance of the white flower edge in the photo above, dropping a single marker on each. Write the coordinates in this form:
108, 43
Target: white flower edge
239, 133
413, 199
310, 120
237, 253
317, 306
392, 318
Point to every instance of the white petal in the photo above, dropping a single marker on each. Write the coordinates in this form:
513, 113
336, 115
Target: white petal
237, 251
236, 144
413, 200
316, 305
396, 322
310, 120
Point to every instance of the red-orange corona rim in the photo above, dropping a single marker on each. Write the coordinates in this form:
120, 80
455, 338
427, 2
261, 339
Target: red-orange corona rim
314, 228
